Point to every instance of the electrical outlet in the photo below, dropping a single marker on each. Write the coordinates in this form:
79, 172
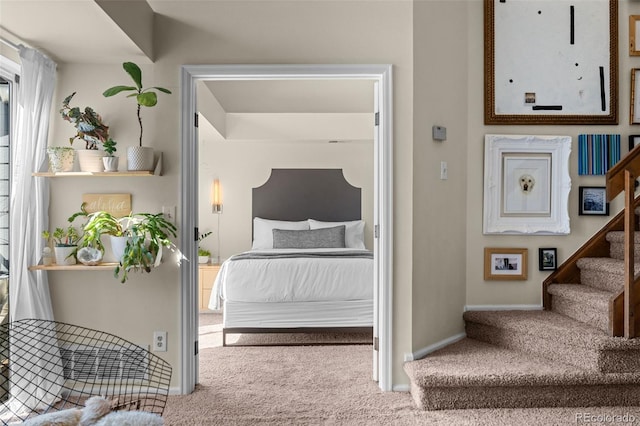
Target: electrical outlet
159, 341
169, 213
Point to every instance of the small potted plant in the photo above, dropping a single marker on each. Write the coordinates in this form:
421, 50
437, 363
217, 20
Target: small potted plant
110, 161
203, 253
138, 157
89, 128
65, 244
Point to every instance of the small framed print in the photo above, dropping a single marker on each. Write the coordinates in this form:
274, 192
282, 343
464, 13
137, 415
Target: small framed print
505, 264
634, 114
634, 140
547, 259
593, 201
634, 31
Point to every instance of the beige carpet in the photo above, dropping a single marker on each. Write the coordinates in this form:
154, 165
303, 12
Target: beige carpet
330, 385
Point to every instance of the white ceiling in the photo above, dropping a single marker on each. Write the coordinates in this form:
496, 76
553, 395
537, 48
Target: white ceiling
79, 31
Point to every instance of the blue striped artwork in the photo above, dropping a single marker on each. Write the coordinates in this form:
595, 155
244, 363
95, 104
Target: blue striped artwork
597, 153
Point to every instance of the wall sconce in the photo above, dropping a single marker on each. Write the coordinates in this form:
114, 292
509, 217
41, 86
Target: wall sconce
216, 196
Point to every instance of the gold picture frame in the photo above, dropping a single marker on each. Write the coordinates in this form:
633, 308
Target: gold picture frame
634, 111
551, 73
634, 28
505, 264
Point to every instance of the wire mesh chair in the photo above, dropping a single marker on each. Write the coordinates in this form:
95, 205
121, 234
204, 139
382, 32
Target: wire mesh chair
53, 366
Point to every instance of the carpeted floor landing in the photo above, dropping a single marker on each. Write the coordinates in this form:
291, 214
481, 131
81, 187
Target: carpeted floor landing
331, 385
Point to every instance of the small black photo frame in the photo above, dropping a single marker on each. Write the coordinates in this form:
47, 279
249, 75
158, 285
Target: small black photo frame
633, 141
547, 259
593, 201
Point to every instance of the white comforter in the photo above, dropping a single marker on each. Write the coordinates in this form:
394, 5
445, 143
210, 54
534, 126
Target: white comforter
294, 279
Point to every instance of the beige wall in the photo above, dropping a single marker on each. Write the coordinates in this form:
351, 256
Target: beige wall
439, 206
529, 292
241, 32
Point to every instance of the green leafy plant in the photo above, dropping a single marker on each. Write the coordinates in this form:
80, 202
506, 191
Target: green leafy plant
144, 97
202, 251
62, 237
109, 146
146, 233
89, 125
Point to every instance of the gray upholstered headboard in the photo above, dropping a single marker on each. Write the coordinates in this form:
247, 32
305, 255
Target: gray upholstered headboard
300, 194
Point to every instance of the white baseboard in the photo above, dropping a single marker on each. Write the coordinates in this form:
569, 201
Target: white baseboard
421, 353
401, 388
502, 308
175, 391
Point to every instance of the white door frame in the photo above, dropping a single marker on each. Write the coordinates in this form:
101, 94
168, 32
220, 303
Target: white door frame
383, 201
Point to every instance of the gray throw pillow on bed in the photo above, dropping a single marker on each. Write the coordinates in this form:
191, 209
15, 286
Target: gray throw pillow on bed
316, 238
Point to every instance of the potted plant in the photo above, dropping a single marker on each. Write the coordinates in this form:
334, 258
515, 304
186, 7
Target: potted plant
89, 128
65, 244
61, 158
203, 253
138, 157
110, 161
144, 236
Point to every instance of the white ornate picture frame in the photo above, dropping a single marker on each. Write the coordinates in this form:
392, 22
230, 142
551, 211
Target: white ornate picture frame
526, 184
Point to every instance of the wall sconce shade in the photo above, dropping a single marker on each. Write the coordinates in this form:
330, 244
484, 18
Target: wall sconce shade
216, 196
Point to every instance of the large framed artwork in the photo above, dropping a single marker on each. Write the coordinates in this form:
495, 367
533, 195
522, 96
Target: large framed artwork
551, 62
526, 184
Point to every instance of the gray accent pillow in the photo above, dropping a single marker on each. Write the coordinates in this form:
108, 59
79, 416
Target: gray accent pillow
316, 238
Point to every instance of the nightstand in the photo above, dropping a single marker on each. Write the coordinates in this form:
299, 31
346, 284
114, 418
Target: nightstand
207, 275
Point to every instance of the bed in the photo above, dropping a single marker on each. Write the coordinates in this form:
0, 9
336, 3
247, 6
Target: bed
308, 269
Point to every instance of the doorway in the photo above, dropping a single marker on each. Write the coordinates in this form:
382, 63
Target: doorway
382, 247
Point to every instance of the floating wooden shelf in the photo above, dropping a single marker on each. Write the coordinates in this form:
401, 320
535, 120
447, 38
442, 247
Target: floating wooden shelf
77, 267
94, 174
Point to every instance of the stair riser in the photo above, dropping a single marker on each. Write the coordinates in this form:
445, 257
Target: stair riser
602, 280
450, 398
578, 357
594, 316
603, 361
616, 251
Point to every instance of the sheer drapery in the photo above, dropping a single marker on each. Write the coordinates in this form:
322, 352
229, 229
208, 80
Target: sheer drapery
29, 290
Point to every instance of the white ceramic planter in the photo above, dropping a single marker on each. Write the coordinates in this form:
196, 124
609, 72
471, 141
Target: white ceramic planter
110, 164
203, 259
90, 160
117, 246
63, 255
61, 158
139, 158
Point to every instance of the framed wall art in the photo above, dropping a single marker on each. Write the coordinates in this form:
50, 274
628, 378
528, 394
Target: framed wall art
634, 140
551, 62
593, 201
505, 263
634, 29
526, 184
547, 259
597, 153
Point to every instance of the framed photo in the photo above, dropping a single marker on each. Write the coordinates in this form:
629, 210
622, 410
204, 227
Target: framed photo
551, 62
634, 140
526, 184
505, 264
593, 201
547, 259
634, 114
634, 28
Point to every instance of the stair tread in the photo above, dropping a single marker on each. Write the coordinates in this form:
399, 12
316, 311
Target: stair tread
618, 237
551, 325
470, 362
606, 264
582, 293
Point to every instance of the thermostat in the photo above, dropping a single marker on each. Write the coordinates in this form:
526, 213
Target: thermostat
439, 133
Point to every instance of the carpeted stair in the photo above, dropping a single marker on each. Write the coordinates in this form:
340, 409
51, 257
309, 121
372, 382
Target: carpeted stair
563, 357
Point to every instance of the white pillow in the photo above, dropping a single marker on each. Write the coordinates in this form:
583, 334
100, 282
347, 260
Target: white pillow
263, 230
353, 234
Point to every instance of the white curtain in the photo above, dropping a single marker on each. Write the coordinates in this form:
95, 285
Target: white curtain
29, 290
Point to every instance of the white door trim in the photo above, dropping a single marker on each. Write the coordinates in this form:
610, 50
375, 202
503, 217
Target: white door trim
190, 75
